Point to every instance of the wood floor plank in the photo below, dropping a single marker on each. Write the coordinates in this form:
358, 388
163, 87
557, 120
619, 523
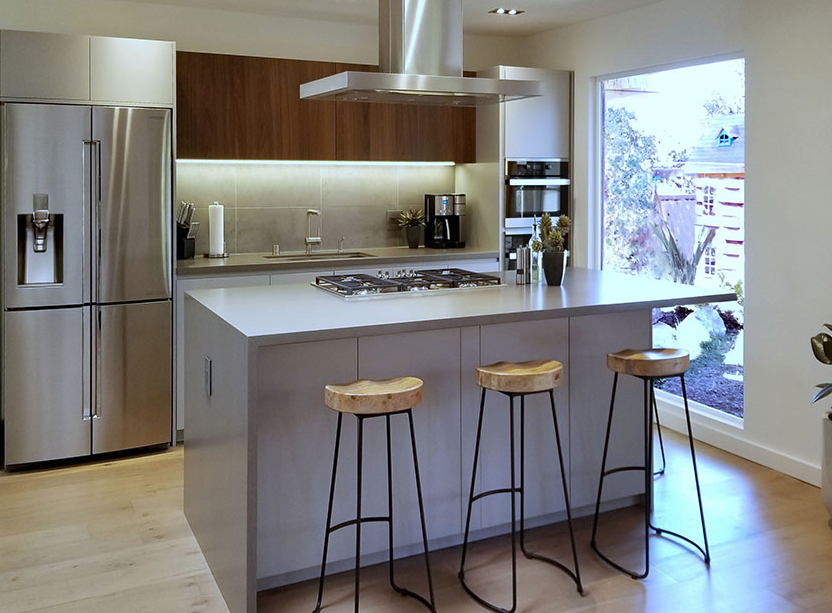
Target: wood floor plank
105, 537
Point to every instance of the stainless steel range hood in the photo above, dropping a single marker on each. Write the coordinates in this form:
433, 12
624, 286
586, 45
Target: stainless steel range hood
420, 62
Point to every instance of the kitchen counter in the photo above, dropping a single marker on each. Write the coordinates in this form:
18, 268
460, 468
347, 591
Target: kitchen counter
258, 451
382, 256
298, 312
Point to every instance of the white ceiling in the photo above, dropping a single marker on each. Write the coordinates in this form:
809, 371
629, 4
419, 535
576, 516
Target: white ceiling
540, 15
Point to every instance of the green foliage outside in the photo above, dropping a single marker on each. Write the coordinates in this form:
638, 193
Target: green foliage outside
682, 268
629, 157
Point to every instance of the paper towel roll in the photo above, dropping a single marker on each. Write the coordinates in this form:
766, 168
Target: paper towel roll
215, 229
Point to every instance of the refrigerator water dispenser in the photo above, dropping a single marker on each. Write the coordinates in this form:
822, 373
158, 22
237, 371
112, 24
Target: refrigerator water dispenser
40, 245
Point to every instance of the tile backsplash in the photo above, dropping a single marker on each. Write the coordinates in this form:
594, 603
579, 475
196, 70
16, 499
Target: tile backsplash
265, 204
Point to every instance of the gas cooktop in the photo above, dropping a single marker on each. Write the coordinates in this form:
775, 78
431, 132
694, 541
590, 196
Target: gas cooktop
356, 285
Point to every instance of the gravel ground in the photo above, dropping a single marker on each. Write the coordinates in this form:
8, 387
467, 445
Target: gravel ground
704, 380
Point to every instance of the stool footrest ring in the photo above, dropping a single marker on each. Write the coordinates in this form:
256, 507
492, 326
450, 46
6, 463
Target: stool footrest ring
622, 469
352, 522
504, 490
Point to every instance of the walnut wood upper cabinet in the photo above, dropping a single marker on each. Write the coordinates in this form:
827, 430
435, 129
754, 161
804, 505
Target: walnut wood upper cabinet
232, 107
403, 132
235, 107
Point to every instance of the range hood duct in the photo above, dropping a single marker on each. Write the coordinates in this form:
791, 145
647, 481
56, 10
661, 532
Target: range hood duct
420, 62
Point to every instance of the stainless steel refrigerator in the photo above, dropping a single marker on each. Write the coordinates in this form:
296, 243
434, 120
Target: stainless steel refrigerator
86, 195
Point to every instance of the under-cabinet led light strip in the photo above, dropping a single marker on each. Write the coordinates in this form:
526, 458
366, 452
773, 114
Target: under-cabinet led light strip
315, 163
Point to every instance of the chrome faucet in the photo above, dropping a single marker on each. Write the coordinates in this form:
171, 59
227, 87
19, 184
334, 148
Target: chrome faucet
310, 239
341, 244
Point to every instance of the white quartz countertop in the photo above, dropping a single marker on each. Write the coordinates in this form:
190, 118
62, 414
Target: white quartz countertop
238, 263
298, 312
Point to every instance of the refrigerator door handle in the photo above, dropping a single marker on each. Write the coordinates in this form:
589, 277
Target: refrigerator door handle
95, 196
96, 412
86, 342
95, 202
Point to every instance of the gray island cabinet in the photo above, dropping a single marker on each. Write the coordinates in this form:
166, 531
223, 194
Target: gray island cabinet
260, 440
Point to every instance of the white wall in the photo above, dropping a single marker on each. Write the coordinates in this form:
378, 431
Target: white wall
788, 212
229, 32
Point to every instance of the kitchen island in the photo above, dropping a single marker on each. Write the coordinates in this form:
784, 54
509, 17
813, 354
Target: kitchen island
259, 448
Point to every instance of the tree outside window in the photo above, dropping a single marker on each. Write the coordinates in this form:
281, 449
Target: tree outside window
673, 207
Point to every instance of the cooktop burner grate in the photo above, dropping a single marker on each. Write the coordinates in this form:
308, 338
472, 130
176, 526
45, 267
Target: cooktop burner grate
356, 285
352, 285
462, 278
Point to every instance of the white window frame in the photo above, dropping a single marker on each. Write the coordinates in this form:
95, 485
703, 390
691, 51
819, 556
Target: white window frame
711, 425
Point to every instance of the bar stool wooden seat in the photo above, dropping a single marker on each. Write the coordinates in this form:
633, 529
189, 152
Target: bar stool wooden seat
648, 365
367, 399
518, 379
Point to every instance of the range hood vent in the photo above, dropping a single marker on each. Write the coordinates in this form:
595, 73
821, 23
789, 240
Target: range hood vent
420, 62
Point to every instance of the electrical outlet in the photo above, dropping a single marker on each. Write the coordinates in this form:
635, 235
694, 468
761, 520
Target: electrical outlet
393, 219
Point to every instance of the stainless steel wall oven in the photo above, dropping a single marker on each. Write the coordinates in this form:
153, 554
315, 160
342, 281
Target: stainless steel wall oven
534, 187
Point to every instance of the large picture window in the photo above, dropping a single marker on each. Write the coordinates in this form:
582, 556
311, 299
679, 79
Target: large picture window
673, 146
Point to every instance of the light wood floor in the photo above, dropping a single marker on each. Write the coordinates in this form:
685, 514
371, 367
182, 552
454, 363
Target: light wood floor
111, 537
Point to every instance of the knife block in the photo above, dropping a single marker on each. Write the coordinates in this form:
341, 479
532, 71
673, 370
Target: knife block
185, 247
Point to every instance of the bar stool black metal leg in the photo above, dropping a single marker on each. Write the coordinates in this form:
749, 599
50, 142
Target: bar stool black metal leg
523, 476
358, 509
648, 475
390, 509
461, 573
659, 472
329, 514
403, 591
474, 497
513, 508
707, 551
576, 575
603, 467
432, 604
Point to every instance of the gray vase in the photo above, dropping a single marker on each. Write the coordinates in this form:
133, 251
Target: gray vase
554, 266
412, 234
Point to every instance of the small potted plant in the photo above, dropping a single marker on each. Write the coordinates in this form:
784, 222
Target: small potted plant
551, 243
822, 348
412, 221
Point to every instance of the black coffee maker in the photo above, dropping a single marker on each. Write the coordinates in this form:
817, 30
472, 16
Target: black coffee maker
444, 213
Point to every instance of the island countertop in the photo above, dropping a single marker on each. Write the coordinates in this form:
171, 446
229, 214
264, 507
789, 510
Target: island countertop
297, 312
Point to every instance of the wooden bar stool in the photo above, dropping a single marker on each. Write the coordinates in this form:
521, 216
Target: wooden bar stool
518, 379
648, 365
367, 399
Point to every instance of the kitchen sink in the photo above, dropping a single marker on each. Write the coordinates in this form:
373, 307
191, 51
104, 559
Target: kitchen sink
319, 255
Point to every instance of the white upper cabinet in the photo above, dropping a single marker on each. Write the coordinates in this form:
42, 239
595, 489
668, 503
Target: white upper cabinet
131, 70
74, 68
44, 66
539, 127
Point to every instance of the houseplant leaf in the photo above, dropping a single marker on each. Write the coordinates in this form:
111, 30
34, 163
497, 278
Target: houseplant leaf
822, 347
827, 389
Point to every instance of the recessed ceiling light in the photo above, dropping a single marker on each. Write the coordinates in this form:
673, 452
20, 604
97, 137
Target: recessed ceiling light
505, 11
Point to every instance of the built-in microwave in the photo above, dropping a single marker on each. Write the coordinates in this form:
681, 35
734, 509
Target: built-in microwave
534, 187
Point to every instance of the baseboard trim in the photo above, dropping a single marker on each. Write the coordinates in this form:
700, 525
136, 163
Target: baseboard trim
722, 433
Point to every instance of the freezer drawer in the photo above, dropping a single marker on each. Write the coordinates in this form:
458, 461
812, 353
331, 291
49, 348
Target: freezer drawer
133, 205
47, 384
132, 376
